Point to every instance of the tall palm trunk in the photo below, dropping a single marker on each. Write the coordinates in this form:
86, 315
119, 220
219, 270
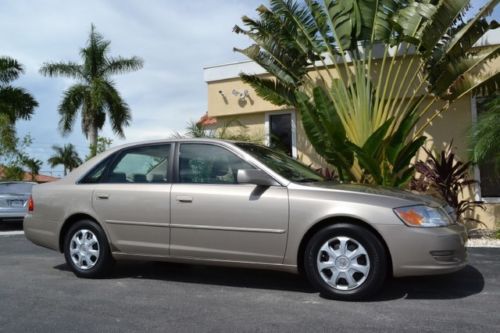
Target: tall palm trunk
93, 139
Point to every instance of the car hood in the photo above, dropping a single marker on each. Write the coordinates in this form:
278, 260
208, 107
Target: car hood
379, 191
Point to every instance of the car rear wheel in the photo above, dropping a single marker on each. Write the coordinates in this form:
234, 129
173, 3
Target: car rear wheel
86, 250
345, 261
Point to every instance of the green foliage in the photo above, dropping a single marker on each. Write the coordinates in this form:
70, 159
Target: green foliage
13, 172
447, 177
198, 130
486, 134
224, 132
15, 103
359, 108
7, 135
33, 165
66, 156
95, 96
101, 146
13, 156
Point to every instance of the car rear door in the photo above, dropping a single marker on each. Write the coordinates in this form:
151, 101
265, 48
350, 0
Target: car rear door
215, 218
133, 200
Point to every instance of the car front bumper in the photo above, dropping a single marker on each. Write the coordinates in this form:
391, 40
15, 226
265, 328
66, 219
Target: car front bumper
426, 251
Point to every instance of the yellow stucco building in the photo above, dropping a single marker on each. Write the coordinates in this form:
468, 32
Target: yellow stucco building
230, 99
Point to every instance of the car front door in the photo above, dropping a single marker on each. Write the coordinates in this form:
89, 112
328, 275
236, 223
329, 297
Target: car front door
133, 200
214, 217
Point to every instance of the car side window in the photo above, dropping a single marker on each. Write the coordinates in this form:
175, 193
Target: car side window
95, 175
208, 164
149, 164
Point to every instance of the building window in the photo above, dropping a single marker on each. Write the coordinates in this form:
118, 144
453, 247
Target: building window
488, 171
280, 132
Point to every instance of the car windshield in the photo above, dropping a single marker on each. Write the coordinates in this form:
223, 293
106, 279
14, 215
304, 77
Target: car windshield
280, 163
15, 188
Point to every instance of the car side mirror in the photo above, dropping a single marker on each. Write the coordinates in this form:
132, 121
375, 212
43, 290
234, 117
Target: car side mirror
256, 177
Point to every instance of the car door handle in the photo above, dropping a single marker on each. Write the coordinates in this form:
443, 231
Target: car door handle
103, 196
184, 198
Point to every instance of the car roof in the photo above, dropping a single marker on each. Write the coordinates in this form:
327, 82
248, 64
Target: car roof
172, 140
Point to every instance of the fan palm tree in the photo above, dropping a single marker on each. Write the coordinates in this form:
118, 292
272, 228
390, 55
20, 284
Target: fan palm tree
363, 73
15, 103
95, 95
65, 156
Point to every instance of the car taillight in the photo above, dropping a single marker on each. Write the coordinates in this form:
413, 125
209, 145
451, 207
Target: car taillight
31, 204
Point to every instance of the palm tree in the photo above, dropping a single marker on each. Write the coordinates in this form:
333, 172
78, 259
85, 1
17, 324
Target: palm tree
15, 103
363, 73
33, 166
65, 156
95, 94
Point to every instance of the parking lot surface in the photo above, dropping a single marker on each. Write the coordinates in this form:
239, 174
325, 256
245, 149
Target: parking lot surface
39, 294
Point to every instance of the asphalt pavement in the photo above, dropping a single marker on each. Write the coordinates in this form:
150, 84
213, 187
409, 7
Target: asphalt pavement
39, 294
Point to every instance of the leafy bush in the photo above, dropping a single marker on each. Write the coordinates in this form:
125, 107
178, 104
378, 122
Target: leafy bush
446, 177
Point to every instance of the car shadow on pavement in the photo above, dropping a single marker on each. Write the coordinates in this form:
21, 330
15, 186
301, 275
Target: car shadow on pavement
209, 275
464, 283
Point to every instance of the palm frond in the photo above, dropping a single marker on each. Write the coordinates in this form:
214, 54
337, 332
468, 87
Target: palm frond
486, 132
10, 69
94, 54
73, 100
268, 62
454, 70
118, 110
16, 103
68, 69
409, 20
271, 90
447, 14
120, 65
484, 81
470, 33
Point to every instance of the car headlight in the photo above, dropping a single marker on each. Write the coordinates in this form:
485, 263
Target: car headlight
423, 216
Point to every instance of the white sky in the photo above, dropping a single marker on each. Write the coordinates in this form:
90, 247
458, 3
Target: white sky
176, 39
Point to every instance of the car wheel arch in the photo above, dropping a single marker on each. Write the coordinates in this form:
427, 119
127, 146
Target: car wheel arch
72, 220
336, 220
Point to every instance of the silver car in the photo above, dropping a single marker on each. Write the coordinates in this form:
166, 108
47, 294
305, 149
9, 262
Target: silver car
14, 201
240, 204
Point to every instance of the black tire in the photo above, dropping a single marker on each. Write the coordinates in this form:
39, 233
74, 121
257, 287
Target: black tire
98, 266
375, 263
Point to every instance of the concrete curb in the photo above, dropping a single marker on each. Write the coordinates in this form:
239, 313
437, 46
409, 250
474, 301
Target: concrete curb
483, 242
11, 233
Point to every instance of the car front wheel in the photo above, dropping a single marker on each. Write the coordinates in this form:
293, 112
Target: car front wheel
86, 250
346, 262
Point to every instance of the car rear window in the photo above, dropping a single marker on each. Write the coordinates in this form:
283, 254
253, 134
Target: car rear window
21, 188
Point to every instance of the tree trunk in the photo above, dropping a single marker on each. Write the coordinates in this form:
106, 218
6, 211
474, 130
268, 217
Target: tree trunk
65, 171
93, 140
